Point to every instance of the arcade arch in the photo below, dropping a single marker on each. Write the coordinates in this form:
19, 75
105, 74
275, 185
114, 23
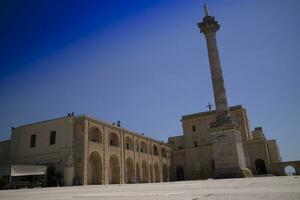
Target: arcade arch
94, 169
260, 166
138, 174
129, 171
156, 173
114, 170
165, 173
289, 170
145, 172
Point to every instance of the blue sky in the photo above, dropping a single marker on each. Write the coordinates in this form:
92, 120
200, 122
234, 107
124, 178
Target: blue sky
145, 63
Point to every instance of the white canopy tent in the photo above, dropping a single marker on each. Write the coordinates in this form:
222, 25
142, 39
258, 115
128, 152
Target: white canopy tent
27, 170
22, 170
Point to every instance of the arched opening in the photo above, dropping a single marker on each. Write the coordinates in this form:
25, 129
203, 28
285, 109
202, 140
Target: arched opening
163, 152
129, 171
165, 173
260, 166
179, 173
151, 173
94, 169
95, 134
150, 149
114, 170
144, 148
145, 171
113, 139
155, 150
137, 146
156, 173
129, 143
138, 174
289, 170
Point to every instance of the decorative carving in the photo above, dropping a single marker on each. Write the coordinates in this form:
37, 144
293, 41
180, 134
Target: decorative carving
209, 25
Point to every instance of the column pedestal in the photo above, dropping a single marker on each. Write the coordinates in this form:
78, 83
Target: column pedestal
228, 152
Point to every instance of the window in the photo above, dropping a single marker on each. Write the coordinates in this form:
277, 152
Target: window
32, 140
155, 150
52, 137
113, 139
194, 128
127, 146
95, 134
163, 153
195, 144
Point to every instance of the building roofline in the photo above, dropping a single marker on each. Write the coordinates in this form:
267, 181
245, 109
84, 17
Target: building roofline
200, 114
96, 120
40, 122
119, 128
176, 136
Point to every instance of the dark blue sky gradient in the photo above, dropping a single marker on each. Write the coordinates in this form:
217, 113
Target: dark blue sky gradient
145, 63
31, 29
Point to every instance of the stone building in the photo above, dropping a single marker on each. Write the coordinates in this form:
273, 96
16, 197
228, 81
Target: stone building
84, 150
219, 143
215, 144
192, 156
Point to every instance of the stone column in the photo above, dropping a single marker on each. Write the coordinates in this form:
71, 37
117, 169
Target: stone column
209, 27
225, 136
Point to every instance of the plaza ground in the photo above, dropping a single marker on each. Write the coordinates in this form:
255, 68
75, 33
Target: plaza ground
273, 188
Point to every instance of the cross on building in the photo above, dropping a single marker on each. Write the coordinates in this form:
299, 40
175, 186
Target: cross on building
209, 106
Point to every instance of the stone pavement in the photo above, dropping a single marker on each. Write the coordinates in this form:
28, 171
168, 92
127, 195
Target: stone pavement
273, 188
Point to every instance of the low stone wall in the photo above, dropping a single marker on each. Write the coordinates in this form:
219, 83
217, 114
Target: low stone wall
278, 168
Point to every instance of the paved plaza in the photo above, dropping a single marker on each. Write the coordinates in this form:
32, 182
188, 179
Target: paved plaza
273, 188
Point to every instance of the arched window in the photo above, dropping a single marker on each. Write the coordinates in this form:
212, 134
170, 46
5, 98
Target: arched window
137, 146
155, 150
95, 134
150, 149
144, 148
129, 143
113, 139
163, 152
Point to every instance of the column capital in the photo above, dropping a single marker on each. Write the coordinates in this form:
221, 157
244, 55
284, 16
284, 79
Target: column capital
209, 25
